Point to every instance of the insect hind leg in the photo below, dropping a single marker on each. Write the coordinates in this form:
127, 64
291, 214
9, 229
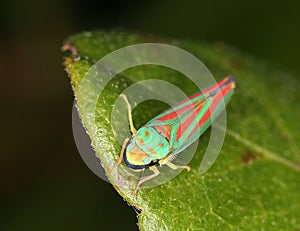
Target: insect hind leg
174, 166
167, 161
144, 179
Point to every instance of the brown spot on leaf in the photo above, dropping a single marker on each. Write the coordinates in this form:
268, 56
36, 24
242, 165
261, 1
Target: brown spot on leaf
248, 157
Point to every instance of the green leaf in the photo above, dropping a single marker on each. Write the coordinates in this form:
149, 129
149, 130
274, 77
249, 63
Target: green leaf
255, 182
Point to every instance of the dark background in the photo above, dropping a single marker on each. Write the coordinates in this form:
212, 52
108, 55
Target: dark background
44, 183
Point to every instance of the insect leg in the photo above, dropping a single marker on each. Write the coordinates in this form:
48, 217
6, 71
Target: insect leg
143, 180
174, 166
121, 156
167, 161
132, 128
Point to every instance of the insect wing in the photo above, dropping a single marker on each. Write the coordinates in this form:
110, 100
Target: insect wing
191, 117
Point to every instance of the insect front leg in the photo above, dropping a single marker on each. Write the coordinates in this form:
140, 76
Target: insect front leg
121, 155
132, 128
143, 180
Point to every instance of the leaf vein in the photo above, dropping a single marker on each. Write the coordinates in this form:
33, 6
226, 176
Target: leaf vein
265, 152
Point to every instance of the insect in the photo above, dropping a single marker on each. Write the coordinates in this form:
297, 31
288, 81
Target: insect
164, 137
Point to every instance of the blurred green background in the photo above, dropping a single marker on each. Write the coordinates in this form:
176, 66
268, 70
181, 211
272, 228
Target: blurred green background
44, 183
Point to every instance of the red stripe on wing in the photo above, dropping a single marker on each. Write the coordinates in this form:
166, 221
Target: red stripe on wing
185, 124
218, 97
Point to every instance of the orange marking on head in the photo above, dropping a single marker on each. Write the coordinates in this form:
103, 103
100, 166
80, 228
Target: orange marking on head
152, 151
160, 144
141, 141
138, 154
146, 133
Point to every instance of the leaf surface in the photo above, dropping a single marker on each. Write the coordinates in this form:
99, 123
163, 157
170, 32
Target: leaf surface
255, 182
